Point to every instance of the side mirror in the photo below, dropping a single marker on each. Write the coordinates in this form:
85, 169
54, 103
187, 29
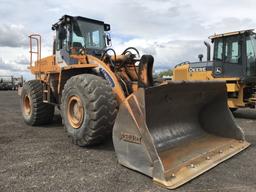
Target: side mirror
106, 27
108, 40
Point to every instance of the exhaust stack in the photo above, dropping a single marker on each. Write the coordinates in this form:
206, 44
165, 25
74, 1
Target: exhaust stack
208, 50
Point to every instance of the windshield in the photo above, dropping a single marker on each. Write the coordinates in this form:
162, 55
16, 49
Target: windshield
88, 35
250, 55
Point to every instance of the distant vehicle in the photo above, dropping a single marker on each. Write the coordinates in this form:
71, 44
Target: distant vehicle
233, 61
6, 83
10, 82
167, 77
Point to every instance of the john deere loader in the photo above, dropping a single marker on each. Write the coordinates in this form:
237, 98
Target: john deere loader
233, 61
172, 132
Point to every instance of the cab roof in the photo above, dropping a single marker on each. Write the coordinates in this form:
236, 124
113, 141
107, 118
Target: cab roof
68, 18
231, 33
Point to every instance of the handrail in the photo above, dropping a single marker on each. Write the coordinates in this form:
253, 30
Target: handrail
37, 39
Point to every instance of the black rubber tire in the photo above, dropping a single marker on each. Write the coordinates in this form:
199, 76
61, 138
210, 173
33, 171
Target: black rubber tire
100, 109
41, 113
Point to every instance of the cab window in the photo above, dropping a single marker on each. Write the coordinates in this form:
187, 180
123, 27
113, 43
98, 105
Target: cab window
250, 56
232, 50
218, 49
250, 50
63, 37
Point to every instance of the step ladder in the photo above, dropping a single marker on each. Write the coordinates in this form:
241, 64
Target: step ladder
46, 93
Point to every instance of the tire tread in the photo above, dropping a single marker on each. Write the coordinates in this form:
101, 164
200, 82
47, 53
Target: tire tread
102, 108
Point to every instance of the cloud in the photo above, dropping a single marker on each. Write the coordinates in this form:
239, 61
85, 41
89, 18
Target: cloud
172, 31
228, 24
3, 65
12, 65
13, 36
22, 60
154, 19
167, 53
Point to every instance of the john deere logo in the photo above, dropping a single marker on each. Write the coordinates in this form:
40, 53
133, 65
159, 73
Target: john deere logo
197, 69
218, 70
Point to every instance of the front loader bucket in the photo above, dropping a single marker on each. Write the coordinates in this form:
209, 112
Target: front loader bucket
175, 132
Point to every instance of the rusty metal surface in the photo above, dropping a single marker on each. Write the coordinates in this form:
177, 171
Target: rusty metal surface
75, 111
182, 111
191, 159
180, 125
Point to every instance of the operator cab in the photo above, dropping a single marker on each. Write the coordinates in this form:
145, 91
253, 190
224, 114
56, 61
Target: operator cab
234, 55
79, 35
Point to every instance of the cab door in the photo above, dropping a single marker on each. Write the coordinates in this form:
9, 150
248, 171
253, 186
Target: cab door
228, 57
232, 65
217, 70
250, 44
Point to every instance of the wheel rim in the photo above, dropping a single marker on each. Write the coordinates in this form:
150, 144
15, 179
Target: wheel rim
75, 111
27, 105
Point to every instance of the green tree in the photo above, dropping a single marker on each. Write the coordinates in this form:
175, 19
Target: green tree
165, 73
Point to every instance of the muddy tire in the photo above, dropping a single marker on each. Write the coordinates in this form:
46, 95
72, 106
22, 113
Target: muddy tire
34, 111
88, 109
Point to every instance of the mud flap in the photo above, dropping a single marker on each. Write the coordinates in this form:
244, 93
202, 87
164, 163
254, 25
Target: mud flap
177, 131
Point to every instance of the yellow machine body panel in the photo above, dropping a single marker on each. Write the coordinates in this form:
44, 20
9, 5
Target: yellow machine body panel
233, 60
45, 65
185, 73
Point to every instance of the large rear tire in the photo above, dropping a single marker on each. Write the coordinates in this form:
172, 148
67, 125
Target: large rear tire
88, 108
34, 110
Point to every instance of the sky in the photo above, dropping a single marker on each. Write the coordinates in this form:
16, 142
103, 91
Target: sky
170, 30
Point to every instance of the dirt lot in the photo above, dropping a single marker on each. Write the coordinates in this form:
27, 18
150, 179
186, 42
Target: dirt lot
43, 159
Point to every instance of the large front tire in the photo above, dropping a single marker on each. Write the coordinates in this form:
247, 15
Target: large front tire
34, 110
88, 108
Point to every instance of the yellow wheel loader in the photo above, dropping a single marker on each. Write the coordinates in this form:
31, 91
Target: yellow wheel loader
171, 132
234, 61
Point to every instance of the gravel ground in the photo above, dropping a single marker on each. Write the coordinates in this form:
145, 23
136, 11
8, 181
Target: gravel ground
43, 159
